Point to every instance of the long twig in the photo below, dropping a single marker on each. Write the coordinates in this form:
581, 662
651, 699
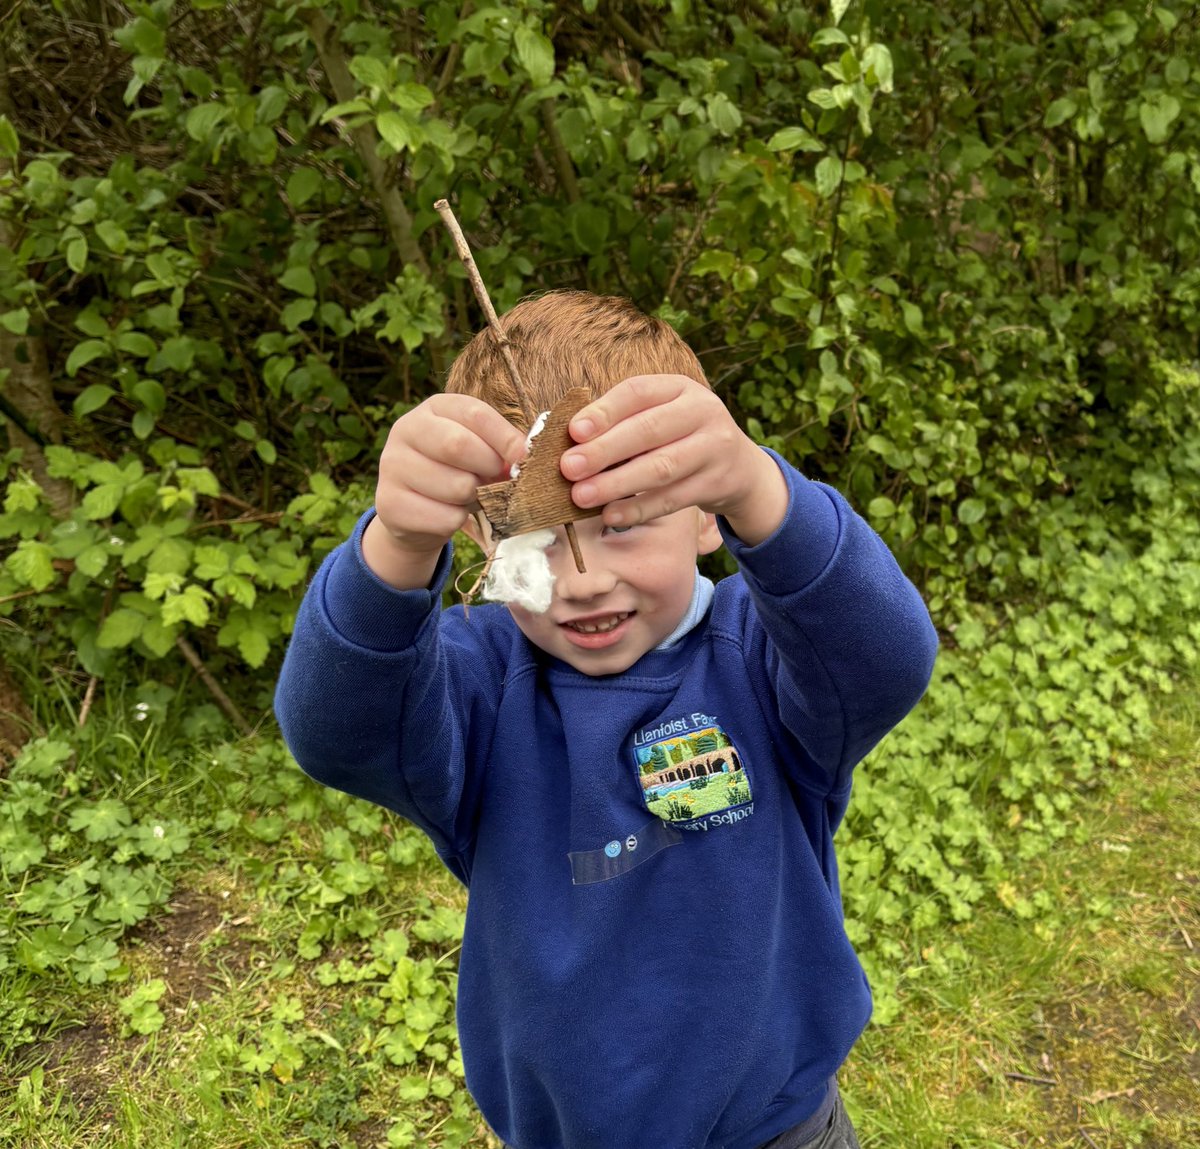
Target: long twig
88, 698
442, 207
214, 687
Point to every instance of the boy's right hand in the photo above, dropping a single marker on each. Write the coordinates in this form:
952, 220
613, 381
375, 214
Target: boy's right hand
435, 457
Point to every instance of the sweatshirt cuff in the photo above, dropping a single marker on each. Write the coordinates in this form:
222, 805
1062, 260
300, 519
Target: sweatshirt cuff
368, 612
804, 543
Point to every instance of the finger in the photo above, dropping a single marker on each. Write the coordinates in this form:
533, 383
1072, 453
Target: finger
642, 431
626, 398
654, 471
484, 421
648, 505
426, 478
451, 442
411, 516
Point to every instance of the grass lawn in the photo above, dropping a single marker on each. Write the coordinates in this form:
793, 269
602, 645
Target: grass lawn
296, 988
1081, 1031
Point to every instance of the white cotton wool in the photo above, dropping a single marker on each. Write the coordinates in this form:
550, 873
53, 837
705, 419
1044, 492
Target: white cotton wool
521, 572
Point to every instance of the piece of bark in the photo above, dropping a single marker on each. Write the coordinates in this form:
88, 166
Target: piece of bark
540, 495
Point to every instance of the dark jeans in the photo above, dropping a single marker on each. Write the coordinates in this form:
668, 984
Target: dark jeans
838, 1134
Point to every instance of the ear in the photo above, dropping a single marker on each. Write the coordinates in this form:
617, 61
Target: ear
709, 538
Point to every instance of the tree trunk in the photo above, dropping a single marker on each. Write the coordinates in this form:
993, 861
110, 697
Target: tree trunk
24, 376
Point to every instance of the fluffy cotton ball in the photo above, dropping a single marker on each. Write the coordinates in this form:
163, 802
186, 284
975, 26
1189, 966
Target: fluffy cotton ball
521, 572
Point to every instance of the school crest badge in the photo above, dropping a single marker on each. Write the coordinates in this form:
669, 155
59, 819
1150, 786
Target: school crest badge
691, 772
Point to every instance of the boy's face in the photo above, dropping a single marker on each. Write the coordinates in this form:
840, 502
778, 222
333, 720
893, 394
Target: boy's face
638, 586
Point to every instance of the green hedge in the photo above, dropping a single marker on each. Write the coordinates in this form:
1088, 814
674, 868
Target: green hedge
942, 255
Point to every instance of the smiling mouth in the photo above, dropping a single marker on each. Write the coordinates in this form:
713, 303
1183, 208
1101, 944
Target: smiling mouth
599, 626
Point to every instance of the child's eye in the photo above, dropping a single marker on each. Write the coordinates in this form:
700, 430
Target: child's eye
617, 530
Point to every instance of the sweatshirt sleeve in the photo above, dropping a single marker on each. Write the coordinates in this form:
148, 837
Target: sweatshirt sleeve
848, 642
364, 698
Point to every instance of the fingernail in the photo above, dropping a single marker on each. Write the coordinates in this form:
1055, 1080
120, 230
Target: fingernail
584, 494
615, 518
583, 428
573, 465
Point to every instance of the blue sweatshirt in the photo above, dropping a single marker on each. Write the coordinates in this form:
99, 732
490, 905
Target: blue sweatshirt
654, 952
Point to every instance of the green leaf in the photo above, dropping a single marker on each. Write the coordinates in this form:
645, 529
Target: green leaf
589, 226
203, 118
136, 343
369, 70
411, 97
299, 280
191, 606
1059, 112
120, 628
102, 820
794, 139
412, 1088
16, 321
95, 960
176, 354
1157, 115
91, 398
395, 130
254, 647
913, 319
114, 236
150, 394
170, 556
143, 423
83, 353
828, 175
720, 262
272, 101
838, 9
265, 450
723, 114
77, 254
158, 638
877, 64
302, 185
971, 511
536, 55
102, 501
10, 144
92, 560
297, 312
32, 564
881, 507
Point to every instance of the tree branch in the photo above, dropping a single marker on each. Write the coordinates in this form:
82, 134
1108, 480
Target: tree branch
214, 687
564, 169
366, 142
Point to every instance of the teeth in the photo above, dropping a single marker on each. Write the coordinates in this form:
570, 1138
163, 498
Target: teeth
599, 627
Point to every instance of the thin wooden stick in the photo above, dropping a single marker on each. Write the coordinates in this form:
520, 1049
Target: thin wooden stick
442, 207
88, 698
214, 687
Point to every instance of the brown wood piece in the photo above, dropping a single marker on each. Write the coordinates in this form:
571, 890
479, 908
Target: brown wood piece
540, 495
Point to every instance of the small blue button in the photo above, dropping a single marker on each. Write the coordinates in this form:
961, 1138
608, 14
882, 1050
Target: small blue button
613, 849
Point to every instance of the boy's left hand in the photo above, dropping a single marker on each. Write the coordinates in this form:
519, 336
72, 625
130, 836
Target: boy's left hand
655, 444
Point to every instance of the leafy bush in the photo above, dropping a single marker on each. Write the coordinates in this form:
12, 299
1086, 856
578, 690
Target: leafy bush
943, 257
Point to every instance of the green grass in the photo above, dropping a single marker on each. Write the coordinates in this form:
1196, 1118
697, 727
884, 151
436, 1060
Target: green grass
295, 987
1081, 1028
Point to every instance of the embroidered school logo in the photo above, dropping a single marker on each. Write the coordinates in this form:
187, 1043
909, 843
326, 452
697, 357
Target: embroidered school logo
692, 774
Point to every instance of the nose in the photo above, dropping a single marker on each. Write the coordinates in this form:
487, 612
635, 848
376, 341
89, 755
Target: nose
575, 586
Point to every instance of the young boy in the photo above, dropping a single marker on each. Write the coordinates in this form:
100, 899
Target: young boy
641, 785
